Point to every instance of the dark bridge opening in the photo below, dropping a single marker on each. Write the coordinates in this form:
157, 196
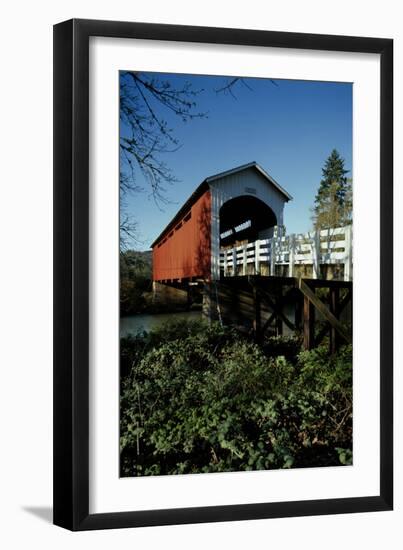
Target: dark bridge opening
245, 219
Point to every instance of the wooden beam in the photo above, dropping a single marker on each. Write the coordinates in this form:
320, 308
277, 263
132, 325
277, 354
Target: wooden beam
321, 307
345, 300
298, 300
334, 299
279, 308
276, 312
257, 321
309, 324
325, 283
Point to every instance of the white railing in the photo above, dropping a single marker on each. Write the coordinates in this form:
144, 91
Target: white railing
330, 247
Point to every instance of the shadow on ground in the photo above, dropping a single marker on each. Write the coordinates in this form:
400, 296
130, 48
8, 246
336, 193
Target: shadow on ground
45, 513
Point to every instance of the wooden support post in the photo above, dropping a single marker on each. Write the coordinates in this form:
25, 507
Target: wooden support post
341, 305
257, 320
334, 299
291, 258
279, 305
309, 324
244, 259
298, 301
276, 312
257, 258
321, 307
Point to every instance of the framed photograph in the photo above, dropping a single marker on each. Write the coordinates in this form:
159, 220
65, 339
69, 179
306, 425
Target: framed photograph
223, 268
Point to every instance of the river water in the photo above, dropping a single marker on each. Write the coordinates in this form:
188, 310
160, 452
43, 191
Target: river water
138, 323
147, 321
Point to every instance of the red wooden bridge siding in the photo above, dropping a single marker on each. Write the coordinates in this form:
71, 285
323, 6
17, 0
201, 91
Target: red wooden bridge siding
183, 251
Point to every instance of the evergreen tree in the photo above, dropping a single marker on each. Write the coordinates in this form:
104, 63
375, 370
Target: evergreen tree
333, 204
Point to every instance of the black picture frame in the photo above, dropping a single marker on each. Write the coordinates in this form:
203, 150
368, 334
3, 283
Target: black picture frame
71, 274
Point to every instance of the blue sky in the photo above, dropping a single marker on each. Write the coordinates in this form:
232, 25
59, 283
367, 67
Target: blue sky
289, 128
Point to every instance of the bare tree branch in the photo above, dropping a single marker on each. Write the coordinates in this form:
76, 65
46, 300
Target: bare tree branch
146, 101
228, 87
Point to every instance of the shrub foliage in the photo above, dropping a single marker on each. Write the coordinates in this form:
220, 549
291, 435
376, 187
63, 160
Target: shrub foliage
201, 398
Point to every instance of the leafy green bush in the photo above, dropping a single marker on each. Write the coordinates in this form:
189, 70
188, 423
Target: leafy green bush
288, 346
201, 398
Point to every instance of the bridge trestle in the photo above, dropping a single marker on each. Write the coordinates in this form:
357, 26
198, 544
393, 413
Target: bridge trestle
262, 306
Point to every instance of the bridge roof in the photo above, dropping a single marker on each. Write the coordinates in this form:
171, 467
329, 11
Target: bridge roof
204, 186
255, 165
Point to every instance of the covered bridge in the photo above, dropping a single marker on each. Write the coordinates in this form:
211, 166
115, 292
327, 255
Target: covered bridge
241, 205
228, 241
